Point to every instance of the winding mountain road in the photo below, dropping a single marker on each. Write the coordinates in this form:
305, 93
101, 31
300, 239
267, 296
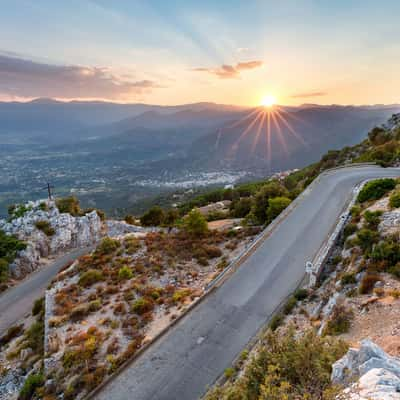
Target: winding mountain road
196, 351
17, 301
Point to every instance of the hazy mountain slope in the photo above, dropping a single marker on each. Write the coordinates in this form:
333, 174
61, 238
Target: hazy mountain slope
308, 133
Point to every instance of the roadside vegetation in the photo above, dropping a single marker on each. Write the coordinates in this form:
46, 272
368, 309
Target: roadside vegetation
9, 247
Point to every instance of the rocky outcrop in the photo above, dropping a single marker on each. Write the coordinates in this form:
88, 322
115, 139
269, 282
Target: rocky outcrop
68, 232
378, 374
120, 228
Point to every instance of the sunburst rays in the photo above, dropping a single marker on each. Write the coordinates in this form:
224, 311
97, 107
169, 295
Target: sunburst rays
264, 122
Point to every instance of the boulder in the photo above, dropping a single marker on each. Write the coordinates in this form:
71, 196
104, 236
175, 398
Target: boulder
378, 373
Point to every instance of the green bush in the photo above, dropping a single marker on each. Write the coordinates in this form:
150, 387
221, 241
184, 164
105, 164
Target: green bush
125, 273
348, 279
9, 247
366, 238
33, 382
142, 305
290, 305
301, 294
241, 207
69, 205
376, 189
276, 321
34, 336
90, 277
286, 367
275, 206
349, 229
195, 223
153, 217
107, 246
394, 200
387, 251
372, 219
45, 227
38, 306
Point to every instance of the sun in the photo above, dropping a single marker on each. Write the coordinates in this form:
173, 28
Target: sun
268, 101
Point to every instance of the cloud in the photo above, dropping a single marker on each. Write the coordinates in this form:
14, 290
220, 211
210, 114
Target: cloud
27, 78
308, 94
226, 71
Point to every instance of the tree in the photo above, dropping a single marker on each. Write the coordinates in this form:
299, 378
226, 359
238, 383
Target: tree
153, 217
260, 203
378, 136
241, 207
275, 206
195, 223
171, 217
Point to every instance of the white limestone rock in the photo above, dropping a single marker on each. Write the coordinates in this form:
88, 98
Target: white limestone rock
378, 374
70, 232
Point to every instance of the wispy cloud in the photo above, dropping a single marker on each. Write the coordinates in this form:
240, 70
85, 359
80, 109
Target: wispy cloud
308, 94
26, 78
226, 71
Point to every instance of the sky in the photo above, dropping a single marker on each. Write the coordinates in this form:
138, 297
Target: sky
186, 51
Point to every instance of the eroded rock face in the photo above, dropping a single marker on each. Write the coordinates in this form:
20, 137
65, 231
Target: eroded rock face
378, 374
69, 232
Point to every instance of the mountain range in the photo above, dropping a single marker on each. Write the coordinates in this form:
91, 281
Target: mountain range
97, 148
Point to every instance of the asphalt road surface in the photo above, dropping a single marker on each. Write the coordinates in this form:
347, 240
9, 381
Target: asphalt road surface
17, 302
196, 351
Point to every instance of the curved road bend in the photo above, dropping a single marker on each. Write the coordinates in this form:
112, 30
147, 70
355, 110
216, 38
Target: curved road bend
195, 352
17, 302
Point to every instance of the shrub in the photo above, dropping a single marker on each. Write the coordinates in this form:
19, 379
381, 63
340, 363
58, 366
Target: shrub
394, 200
395, 270
355, 211
286, 367
38, 306
125, 273
290, 305
130, 219
180, 295
276, 321
372, 219
34, 336
90, 277
301, 294
366, 238
195, 223
45, 227
69, 205
368, 283
153, 217
142, 306
10, 245
33, 382
376, 189
229, 372
275, 206
348, 279
212, 251
240, 208
94, 305
349, 229
107, 246
339, 322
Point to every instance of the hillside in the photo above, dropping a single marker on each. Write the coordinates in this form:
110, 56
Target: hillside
104, 307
